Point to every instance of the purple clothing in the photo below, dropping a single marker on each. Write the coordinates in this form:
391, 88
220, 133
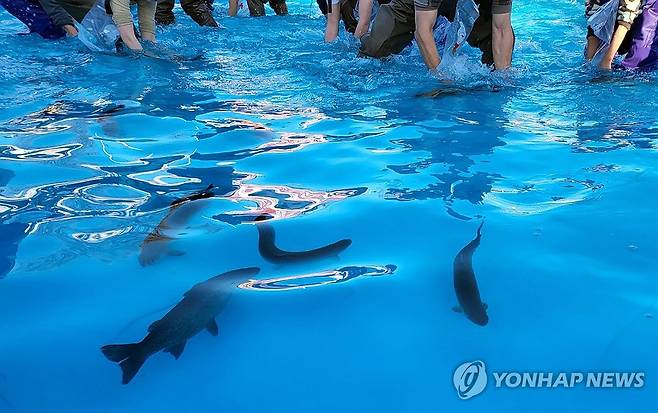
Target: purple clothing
34, 17
643, 52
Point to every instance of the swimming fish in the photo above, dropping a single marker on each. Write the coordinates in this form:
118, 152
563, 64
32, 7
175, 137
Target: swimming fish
12, 234
466, 286
194, 313
181, 210
457, 91
270, 252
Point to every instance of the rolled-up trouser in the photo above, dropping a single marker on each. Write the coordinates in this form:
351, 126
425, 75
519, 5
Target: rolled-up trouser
394, 26
164, 12
34, 17
257, 7
391, 31
145, 14
199, 10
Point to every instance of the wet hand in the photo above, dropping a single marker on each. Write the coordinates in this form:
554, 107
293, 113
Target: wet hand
605, 64
71, 31
361, 29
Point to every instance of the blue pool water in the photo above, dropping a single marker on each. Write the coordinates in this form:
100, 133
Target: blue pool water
560, 164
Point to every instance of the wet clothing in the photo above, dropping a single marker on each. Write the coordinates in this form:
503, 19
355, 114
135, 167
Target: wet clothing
122, 15
395, 24
627, 12
199, 10
32, 14
493, 6
257, 7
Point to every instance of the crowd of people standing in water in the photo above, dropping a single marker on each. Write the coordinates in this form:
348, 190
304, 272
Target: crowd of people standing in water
625, 28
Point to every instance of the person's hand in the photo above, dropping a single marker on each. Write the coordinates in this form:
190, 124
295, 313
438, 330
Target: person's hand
361, 29
71, 31
605, 64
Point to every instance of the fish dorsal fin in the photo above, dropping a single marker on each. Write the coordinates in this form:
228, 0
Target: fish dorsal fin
153, 326
485, 306
176, 350
212, 327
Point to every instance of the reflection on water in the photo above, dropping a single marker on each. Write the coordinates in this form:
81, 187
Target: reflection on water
280, 201
318, 279
539, 196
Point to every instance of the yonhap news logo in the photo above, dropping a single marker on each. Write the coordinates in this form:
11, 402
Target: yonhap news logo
470, 379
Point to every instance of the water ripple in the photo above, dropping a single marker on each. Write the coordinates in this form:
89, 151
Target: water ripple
541, 195
318, 279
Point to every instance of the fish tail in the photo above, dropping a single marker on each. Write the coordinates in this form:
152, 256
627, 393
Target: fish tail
129, 357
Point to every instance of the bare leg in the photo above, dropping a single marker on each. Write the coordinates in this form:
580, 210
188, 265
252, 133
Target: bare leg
502, 40
425, 20
333, 18
593, 44
617, 40
232, 7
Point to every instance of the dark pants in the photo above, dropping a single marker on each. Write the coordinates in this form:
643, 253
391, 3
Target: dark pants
199, 10
34, 17
395, 24
257, 7
392, 30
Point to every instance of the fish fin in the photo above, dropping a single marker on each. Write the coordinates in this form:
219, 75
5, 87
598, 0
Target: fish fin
485, 306
479, 231
153, 326
212, 327
457, 309
128, 356
176, 350
175, 253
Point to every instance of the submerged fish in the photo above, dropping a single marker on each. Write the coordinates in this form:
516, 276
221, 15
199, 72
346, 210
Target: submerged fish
194, 313
181, 210
11, 234
466, 286
270, 252
457, 91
